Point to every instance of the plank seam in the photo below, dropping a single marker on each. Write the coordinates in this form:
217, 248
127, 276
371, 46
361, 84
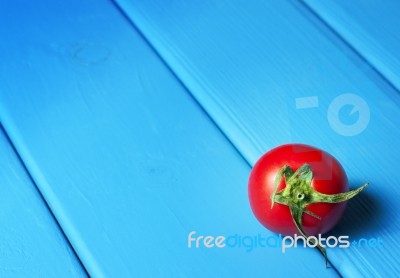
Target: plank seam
181, 81
177, 77
352, 47
30, 177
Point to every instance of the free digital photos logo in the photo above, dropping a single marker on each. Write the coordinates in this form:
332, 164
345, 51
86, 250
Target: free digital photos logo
251, 242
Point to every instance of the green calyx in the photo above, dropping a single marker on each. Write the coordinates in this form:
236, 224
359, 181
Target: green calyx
299, 193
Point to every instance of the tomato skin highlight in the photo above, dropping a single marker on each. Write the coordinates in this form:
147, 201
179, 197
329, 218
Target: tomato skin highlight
329, 177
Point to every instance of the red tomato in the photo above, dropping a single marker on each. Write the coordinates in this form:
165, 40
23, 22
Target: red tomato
329, 177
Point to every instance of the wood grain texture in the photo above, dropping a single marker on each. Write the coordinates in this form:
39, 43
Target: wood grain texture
31, 242
371, 27
127, 160
250, 63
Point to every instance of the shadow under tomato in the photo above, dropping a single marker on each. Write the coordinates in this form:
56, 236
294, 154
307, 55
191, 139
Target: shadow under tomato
363, 214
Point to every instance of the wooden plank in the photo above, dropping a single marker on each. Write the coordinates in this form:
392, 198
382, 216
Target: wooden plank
127, 160
371, 27
31, 243
272, 73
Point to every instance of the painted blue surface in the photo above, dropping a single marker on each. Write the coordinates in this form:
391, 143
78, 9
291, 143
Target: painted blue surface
31, 243
272, 73
370, 26
127, 160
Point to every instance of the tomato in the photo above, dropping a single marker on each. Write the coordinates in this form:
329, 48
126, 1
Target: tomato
316, 198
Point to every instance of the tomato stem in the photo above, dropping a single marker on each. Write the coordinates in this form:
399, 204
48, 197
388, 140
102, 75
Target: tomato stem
299, 193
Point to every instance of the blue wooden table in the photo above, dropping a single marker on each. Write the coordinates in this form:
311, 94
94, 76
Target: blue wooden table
128, 126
